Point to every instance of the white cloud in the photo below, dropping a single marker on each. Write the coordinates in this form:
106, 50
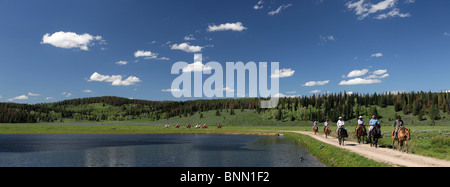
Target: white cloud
259, 5
171, 90
122, 63
196, 66
282, 73
146, 54
1, 96
278, 10
87, 91
315, 83
228, 89
22, 97
446, 34
227, 26
49, 98
67, 94
315, 91
358, 81
187, 48
69, 40
377, 55
357, 73
291, 92
189, 37
33, 94
116, 80
380, 71
364, 8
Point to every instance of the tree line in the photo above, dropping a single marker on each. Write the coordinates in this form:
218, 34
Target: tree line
305, 108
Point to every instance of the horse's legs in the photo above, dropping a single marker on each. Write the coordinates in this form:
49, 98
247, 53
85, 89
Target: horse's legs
406, 145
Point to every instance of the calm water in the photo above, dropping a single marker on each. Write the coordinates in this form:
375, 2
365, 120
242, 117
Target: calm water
153, 151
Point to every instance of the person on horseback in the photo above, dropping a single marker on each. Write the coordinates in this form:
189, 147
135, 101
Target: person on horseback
325, 125
372, 123
360, 123
340, 124
316, 127
398, 124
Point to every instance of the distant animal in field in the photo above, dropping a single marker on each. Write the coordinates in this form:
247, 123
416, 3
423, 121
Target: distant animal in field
205, 126
167, 126
219, 126
188, 126
177, 126
198, 126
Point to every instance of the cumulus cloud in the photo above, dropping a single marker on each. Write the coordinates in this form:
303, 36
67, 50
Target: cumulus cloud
364, 8
377, 55
146, 54
280, 73
358, 81
279, 9
171, 90
21, 97
122, 62
115, 80
69, 40
316, 83
33, 94
315, 91
357, 73
227, 27
259, 5
67, 94
187, 48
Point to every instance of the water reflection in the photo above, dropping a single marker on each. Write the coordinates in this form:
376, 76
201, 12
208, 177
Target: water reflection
153, 150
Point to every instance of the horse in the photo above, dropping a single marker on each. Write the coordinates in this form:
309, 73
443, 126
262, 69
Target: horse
374, 135
205, 126
342, 134
177, 126
361, 133
219, 126
403, 136
198, 126
167, 126
327, 131
316, 129
188, 126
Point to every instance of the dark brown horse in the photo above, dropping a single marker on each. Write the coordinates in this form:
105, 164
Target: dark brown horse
361, 133
188, 126
403, 136
342, 134
374, 135
219, 126
177, 126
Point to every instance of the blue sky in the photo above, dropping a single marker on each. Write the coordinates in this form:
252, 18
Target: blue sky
52, 50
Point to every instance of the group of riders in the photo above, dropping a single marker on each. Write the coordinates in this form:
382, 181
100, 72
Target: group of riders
398, 124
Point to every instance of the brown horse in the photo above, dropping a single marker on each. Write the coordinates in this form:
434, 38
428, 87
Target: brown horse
403, 136
361, 133
177, 126
327, 131
188, 126
205, 126
316, 129
219, 126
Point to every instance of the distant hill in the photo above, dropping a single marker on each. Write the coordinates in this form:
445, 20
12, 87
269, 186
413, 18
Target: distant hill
422, 107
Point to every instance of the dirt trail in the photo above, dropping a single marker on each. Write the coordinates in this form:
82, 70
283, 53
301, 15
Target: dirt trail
384, 155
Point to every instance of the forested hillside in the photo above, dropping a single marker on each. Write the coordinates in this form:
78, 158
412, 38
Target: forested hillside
422, 105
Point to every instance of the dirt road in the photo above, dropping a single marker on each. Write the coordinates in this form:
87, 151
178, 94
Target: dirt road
384, 155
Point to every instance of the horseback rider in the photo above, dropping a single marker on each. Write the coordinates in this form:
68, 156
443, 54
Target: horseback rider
372, 123
325, 125
340, 124
360, 123
398, 124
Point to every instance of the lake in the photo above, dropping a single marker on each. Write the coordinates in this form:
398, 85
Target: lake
153, 151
